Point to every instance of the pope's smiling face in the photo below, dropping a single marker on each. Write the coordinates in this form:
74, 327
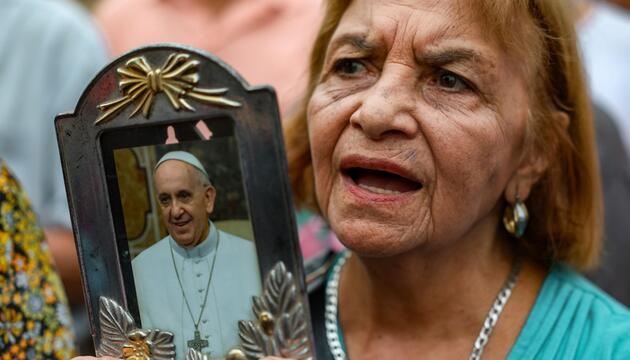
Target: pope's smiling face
185, 202
416, 126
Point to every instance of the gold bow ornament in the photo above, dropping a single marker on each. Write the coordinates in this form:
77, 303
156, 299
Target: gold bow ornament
177, 78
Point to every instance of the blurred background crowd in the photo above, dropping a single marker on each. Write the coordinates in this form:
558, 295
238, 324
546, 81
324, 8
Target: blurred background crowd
50, 50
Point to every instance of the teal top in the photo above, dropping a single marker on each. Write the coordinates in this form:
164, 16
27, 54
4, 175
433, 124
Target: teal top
573, 319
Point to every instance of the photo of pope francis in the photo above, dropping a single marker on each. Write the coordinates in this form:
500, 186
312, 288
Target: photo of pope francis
198, 281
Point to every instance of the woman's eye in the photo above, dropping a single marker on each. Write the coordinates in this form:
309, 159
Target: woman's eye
348, 67
451, 82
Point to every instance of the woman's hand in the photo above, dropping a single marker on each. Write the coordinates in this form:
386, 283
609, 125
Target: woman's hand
111, 358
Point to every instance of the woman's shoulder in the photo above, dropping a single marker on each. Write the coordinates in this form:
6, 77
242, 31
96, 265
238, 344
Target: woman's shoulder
572, 318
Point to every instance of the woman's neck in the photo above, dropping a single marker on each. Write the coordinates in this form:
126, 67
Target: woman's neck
429, 297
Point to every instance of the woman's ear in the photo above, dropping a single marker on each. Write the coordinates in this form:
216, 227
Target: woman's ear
533, 164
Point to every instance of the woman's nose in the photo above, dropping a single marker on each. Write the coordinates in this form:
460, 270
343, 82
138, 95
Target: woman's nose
387, 107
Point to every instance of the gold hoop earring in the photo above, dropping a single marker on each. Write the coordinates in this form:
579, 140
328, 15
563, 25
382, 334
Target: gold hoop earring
515, 218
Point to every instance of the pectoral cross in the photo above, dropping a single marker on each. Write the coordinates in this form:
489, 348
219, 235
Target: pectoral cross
197, 343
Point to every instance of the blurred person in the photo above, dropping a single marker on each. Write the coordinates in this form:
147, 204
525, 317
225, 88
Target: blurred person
614, 162
35, 321
266, 41
604, 36
49, 51
600, 29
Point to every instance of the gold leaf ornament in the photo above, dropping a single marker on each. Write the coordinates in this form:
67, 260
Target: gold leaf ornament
120, 338
138, 347
177, 78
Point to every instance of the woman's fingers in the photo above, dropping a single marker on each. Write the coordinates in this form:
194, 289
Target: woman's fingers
111, 358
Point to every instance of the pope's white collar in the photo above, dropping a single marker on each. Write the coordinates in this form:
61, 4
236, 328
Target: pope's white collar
200, 250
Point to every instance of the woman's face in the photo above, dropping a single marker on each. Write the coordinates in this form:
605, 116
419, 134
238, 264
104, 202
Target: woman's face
416, 126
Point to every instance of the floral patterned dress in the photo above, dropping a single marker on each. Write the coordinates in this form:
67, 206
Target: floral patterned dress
34, 316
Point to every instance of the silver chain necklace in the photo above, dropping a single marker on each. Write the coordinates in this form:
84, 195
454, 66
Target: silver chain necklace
197, 343
331, 320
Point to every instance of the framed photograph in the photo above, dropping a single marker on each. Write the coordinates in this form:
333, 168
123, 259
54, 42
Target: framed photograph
176, 179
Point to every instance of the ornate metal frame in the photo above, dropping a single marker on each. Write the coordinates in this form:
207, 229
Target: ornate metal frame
133, 95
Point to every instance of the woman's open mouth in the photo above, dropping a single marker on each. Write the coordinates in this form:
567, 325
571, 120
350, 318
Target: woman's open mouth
382, 182
379, 177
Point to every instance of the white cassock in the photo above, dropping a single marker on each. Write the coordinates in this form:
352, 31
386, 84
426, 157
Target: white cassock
234, 281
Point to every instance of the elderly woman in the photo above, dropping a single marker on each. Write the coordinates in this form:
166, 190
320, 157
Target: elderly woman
450, 146
431, 130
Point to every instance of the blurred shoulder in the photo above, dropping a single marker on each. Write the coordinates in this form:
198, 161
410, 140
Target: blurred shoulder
124, 18
58, 32
572, 318
48, 13
116, 8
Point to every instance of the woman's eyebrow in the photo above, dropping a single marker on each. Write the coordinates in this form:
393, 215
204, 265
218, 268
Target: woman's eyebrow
447, 56
356, 40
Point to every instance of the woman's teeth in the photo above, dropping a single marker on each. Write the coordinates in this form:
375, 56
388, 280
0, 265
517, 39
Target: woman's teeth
378, 190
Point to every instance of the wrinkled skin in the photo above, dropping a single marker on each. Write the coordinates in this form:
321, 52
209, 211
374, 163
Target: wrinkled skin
415, 88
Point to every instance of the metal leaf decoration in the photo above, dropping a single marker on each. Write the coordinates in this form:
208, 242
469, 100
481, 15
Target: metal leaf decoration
120, 338
162, 345
138, 347
115, 324
255, 342
281, 328
177, 78
195, 355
